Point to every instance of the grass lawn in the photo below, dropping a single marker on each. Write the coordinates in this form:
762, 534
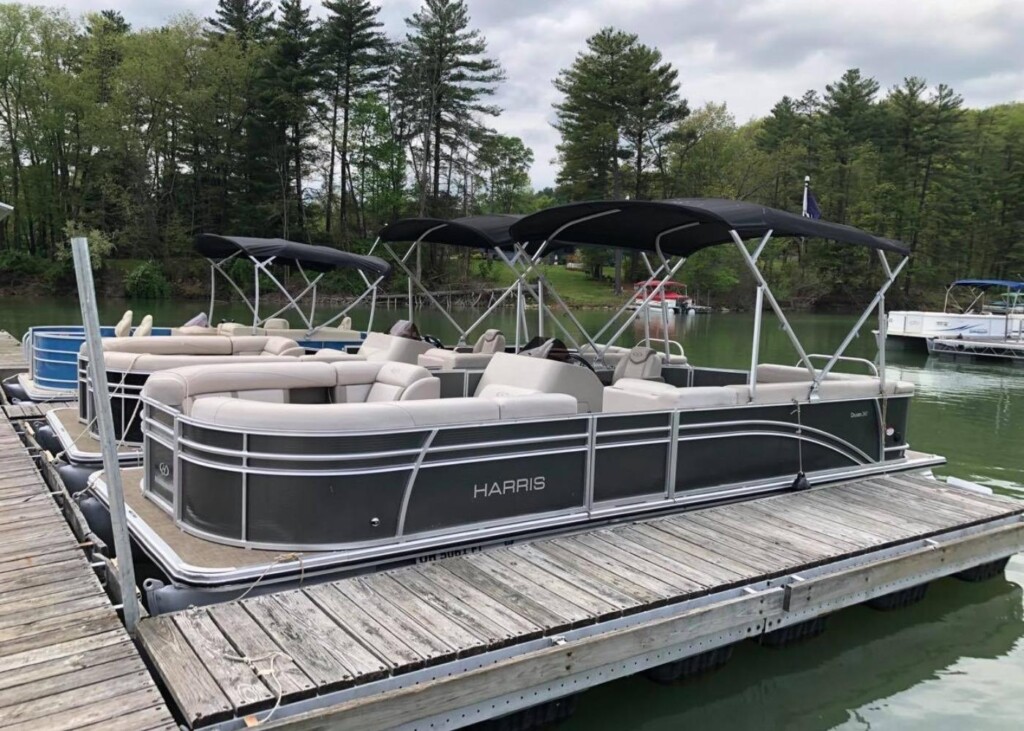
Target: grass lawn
575, 287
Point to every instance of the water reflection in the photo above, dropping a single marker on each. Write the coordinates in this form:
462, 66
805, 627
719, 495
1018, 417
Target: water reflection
848, 677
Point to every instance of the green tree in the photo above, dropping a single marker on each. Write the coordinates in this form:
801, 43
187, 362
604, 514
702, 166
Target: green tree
446, 75
353, 56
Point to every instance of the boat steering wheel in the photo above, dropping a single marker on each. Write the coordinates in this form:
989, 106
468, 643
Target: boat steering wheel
436, 342
577, 359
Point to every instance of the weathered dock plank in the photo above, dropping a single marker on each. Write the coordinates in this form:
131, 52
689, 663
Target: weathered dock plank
12, 360
66, 661
603, 596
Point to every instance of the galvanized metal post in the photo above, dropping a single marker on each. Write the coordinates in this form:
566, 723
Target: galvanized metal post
883, 324
519, 311
540, 306
105, 425
755, 351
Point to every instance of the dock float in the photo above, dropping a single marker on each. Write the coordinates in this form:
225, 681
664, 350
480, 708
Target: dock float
481, 635
66, 661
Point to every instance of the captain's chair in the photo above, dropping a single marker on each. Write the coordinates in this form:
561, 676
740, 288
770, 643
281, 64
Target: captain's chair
641, 362
491, 342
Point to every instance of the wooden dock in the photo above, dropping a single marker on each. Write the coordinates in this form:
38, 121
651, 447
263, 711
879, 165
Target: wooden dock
472, 637
66, 661
12, 360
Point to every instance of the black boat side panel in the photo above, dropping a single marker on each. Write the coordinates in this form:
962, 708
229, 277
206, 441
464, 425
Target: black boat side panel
451, 495
322, 509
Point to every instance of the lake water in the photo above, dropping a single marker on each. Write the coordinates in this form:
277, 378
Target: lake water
954, 661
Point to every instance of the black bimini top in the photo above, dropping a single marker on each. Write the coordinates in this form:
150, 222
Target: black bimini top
290, 253
479, 232
686, 225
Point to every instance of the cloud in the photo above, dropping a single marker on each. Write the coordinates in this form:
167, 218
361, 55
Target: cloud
746, 53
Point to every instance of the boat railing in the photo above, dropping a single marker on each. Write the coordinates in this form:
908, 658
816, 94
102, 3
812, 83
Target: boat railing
846, 359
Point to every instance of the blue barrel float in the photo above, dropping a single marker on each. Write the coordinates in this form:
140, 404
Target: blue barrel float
54, 353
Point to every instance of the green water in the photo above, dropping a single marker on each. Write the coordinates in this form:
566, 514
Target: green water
955, 661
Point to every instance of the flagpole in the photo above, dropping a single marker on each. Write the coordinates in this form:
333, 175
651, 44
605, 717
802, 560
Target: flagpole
807, 185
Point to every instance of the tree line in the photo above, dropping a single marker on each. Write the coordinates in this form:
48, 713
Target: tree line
909, 163
260, 120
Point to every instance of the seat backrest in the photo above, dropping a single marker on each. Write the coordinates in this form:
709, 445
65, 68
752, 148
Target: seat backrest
381, 347
263, 345
124, 326
492, 341
641, 362
544, 376
170, 345
403, 382
273, 381
276, 323
145, 328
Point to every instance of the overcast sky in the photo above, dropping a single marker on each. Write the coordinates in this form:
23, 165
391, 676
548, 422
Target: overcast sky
746, 53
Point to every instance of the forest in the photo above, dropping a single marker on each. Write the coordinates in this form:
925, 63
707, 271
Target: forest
260, 120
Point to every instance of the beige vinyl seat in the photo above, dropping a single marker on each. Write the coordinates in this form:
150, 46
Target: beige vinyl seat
616, 353
123, 328
279, 326
640, 363
509, 375
147, 355
337, 397
630, 394
491, 342
144, 328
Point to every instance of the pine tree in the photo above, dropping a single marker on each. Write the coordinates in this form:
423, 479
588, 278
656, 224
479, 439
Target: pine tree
287, 89
352, 56
446, 76
248, 20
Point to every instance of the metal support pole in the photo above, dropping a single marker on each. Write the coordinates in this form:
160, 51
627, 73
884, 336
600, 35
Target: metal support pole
519, 304
856, 328
883, 324
540, 307
213, 291
256, 298
752, 266
105, 426
755, 351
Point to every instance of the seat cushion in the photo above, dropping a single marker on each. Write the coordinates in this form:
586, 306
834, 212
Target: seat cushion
640, 362
449, 360
545, 376
170, 345
636, 395
492, 341
534, 406
178, 388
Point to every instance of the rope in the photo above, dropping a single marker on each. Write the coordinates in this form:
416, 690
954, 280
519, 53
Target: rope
278, 559
259, 672
118, 391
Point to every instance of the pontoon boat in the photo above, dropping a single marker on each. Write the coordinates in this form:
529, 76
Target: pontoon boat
263, 475
973, 319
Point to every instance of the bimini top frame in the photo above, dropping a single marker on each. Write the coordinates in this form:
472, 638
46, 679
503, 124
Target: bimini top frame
682, 227
982, 286
221, 250
489, 233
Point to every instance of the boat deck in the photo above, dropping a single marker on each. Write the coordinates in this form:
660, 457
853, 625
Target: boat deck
479, 635
12, 361
979, 349
66, 661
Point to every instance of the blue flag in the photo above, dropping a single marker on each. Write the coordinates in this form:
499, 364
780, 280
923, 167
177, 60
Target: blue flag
812, 206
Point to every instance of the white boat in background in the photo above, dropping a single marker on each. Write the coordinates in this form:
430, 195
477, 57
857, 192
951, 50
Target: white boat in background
5, 210
976, 320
